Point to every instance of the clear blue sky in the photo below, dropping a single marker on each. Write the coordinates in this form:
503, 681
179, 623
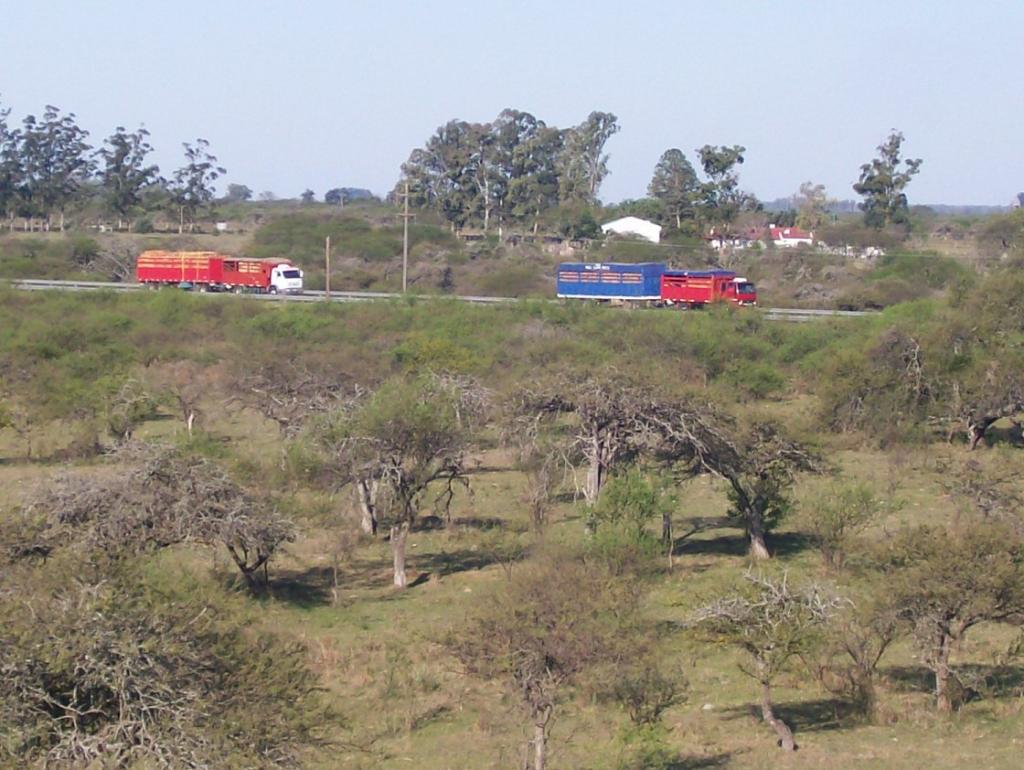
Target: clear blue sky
325, 93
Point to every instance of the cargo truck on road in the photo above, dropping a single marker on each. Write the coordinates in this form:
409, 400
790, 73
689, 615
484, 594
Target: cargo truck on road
213, 271
653, 284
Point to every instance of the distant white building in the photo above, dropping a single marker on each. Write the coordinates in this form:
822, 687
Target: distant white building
790, 236
634, 226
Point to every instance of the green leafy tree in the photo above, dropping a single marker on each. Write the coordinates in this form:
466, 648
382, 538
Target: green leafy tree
882, 184
836, 516
812, 206
55, 161
10, 166
408, 435
528, 164
237, 193
944, 581
544, 632
193, 182
125, 172
308, 196
631, 501
722, 198
760, 469
584, 163
443, 174
621, 520
676, 185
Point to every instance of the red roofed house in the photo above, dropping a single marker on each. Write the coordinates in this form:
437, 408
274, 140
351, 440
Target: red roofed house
789, 236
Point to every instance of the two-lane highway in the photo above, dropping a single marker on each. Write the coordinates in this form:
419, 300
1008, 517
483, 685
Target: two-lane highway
32, 284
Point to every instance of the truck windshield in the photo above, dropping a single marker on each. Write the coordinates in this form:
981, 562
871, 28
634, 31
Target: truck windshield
745, 288
291, 274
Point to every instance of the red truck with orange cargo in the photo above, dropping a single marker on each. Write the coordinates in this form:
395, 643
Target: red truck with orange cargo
213, 271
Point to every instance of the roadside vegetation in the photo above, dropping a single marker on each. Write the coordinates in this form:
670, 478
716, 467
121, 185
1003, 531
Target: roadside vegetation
422, 533
537, 534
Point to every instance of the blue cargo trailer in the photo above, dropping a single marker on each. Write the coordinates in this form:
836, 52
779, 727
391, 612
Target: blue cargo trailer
610, 280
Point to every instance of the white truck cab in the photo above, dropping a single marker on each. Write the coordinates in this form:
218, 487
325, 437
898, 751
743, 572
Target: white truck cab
285, 279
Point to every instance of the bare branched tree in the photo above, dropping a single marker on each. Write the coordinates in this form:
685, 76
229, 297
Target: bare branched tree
114, 261
290, 392
113, 675
160, 497
616, 419
185, 383
773, 623
541, 455
994, 494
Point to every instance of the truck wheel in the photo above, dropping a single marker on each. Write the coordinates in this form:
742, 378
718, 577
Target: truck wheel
237, 290
273, 290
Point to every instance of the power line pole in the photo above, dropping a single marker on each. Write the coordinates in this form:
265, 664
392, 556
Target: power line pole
405, 239
327, 268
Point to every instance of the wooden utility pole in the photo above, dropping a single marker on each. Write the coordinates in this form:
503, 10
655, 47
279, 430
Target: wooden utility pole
405, 239
327, 268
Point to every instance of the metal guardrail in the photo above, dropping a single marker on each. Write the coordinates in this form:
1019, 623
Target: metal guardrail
31, 284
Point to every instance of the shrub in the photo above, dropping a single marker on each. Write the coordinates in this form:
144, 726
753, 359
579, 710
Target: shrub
836, 516
116, 674
143, 225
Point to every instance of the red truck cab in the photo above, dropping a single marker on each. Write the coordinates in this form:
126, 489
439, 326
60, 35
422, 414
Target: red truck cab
696, 288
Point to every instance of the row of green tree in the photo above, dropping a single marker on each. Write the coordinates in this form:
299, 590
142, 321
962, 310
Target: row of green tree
48, 167
514, 169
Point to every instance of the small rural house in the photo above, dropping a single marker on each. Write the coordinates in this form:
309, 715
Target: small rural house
634, 226
789, 236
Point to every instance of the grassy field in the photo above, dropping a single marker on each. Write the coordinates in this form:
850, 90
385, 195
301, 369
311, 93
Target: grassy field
379, 651
407, 703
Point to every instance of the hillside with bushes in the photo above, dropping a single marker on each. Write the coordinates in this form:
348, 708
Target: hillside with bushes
458, 536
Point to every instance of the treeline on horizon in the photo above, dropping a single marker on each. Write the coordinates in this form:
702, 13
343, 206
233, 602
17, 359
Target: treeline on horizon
515, 172
518, 171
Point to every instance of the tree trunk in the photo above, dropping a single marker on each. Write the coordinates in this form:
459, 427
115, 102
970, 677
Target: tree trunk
366, 496
781, 729
399, 533
755, 530
866, 699
596, 472
668, 538
942, 700
190, 421
540, 738
976, 431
